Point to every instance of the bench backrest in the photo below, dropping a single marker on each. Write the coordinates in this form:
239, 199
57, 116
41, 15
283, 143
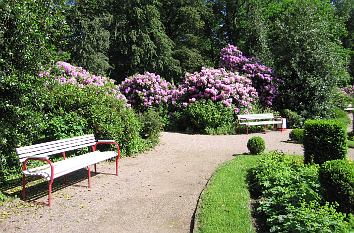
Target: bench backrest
55, 147
262, 116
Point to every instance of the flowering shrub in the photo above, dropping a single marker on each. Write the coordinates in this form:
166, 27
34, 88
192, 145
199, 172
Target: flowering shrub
262, 76
217, 85
65, 73
349, 91
146, 90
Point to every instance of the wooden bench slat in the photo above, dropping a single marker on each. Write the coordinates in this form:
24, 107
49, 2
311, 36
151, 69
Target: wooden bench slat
53, 152
25, 149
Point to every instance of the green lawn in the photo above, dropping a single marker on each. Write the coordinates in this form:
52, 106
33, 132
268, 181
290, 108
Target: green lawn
225, 202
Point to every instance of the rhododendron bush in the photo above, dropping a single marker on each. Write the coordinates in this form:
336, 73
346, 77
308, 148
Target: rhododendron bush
262, 76
218, 85
146, 90
65, 73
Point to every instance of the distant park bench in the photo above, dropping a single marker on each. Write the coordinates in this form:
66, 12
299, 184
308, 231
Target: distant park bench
262, 119
52, 170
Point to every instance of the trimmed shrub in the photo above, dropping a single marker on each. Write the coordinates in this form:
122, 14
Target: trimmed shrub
297, 135
256, 145
324, 140
204, 117
151, 126
337, 179
293, 119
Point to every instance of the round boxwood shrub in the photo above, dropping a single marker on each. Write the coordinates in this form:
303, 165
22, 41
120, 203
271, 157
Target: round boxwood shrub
297, 135
337, 179
256, 145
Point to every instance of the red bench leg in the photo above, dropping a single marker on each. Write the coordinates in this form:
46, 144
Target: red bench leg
117, 158
50, 185
23, 187
89, 176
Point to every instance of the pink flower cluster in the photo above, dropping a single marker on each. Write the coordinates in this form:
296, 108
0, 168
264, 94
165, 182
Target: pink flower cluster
146, 90
65, 73
262, 76
219, 85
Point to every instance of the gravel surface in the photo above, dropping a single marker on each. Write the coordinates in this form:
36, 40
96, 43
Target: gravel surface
155, 192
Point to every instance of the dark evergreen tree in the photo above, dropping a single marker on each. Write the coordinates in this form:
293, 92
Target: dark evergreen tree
90, 38
139, 42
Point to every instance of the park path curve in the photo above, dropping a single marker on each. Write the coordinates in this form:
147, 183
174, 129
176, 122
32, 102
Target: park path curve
156, 191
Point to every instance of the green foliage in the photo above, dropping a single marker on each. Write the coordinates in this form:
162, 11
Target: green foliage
340, 115
256, 145
152, 124
46, 110
290, 195
90, 37
293, 119
204, 117
337, 179
138, 40
324, 140
31, 34
297, 135
303, 38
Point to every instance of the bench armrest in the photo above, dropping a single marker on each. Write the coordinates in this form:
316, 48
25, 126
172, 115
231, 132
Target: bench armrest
109, 142
44, 159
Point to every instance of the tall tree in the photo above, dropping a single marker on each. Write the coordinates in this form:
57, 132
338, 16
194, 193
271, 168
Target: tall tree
304, 38
186, 23
90, 40
138, 40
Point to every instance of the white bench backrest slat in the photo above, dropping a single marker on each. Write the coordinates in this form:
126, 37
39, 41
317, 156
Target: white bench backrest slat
255, 116
55, 147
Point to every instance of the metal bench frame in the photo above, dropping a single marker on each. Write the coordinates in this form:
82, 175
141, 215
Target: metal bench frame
43, 152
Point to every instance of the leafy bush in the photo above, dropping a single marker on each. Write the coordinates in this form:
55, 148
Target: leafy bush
337, 179
204, 117
262, 77
340, 115
324, 140
310, 217
217, 85
146, 90
151, 126
297, 135
290, 197
256, 145
293, 119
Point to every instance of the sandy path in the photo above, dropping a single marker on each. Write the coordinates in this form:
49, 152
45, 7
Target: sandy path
155, 192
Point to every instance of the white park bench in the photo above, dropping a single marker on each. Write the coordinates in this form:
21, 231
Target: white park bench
262, 119
52, 170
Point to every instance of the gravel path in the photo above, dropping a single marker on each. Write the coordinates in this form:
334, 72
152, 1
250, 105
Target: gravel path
155, 192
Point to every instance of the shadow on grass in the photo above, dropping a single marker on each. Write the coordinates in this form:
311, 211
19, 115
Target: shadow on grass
258, 218
37, 188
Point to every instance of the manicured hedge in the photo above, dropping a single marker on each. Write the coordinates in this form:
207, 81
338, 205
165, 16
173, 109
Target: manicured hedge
337, 179
297, 135
324, 140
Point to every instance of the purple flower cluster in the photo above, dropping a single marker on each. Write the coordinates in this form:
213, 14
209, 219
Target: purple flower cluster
219, 85
65, 73
262, 76
146, 90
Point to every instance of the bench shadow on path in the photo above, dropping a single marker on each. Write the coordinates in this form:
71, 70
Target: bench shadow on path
37, 188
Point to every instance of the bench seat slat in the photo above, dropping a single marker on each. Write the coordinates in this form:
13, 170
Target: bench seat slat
261, 123
71, 164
